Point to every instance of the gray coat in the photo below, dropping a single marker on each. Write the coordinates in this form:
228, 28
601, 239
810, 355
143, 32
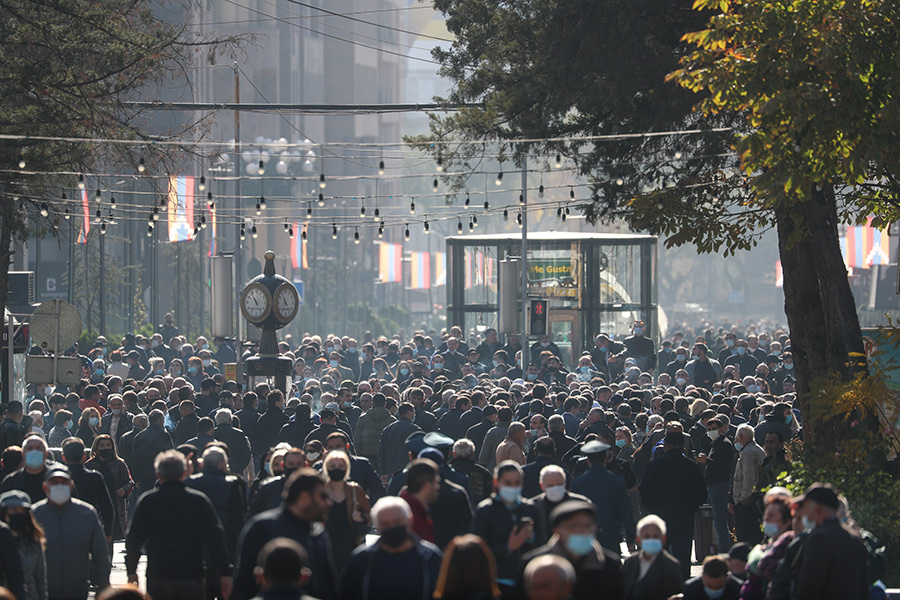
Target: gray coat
75, 541
32, 554
493, 438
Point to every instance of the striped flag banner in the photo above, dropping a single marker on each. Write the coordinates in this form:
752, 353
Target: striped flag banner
421, 270
181, 208
779, 275
86, 219
467, 265
440, 268
479, 267
298, 246
864, 246
390, 267
213, 243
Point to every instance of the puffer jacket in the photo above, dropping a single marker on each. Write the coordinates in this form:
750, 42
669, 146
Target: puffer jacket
368, 432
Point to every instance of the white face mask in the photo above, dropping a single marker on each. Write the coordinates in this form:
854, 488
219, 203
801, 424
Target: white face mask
59, 494
713, 434
555, 493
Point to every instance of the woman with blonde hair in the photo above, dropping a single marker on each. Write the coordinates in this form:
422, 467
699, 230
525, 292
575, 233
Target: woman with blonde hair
348, 520
697, 407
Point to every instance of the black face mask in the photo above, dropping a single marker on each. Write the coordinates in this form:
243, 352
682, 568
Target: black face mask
287, 472
18, 522
336, 474
105, 453
394, 537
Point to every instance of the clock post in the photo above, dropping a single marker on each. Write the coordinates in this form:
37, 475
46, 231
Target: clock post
270, 302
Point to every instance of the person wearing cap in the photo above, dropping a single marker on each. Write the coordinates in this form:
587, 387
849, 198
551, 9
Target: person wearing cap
76, 549
832, 562
507, 523
607, 491
369, 429
597, 570
21, 548
673, 488
392, 453
737, 560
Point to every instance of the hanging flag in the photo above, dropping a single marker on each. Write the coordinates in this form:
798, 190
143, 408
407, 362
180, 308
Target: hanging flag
479, 267
390, 268
181, 208
86, 220
213, 245
779, 275
303, 244
440, 268
863, 246
880, 252
297, 246
420, 263
467, 264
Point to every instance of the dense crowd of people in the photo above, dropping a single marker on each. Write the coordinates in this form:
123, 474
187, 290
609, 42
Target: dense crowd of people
434, 467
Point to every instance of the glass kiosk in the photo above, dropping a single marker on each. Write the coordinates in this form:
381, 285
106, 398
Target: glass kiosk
596, 283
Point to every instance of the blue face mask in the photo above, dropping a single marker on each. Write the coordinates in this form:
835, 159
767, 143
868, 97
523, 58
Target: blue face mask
788, 419
713, 594
741, 350
437, 366
651, 547
93, 421
531, 376
509, 494
738, 446
808, 524
352, 349
404, 372
98, 372
192, 369
621, 443
580, 544
69, 424
604, 349
34, 459
789, 366
334, 364
160, 371
496, 362
770, 529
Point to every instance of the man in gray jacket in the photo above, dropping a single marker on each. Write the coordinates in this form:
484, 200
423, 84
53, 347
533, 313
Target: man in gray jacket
494, 438
76, 544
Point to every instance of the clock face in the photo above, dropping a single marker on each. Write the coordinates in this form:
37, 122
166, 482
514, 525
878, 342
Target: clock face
286, 302
255, 303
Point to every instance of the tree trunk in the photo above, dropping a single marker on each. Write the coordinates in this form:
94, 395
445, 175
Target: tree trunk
819, 306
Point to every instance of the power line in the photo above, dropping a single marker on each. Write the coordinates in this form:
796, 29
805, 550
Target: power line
359, 12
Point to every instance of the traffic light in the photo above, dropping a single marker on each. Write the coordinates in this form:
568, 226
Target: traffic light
539, 315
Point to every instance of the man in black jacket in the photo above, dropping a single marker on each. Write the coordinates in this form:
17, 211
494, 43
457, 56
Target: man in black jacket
271, 422
90, 484
147, 444
718, 476
295, 432
392, 452
187, 425
299, 518
673, 488
246, 412
226, 493
477, 432
117, 421
237, 442
179, 527
11, 430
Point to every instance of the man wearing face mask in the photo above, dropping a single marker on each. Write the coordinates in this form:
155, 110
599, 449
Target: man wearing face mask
603, 351
507, 523
714, 583
598, 571
30, 477
76, 545
398, 565
90, 484
832, 561
651, 573
116, 422
718, 476
679, 362
641, 348
742, 360
554, 492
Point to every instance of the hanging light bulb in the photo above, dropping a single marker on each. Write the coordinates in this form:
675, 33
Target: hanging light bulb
440, 164
202, 221
412, 207
558, 163
141, 166
486, 206
202, 185
559, 212
97, 214
567, 210
209, 199
427, 228
620, 181
155, 215
309, 210
506, 214
541, 191
45, 210
302, 234
150, 231
262, 202
112, 202
98, 196
196, 229
253, 233
434, 185
564, 217
81, 181
262, 167
322, 183
321, 200
286, 226
499, 180
66, 214
572, 193
475, 220
258, 208
459, 228
521, 198
22, 161
356, 236
381, 168
243, 233
471, 226
362, 211
103, 228
333, 231
406, 233
377, 214
519, 220
678, 155
468, 201
381, 230
291, 232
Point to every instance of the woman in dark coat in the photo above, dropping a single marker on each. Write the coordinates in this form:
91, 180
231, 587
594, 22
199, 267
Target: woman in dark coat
118, 480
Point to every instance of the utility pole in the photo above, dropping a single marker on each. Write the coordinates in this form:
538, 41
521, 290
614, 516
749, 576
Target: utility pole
238, 254
526, 348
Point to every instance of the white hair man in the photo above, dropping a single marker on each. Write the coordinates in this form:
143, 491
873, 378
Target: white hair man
651, 572
746, 475
481, 481
238, 445
396, 548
